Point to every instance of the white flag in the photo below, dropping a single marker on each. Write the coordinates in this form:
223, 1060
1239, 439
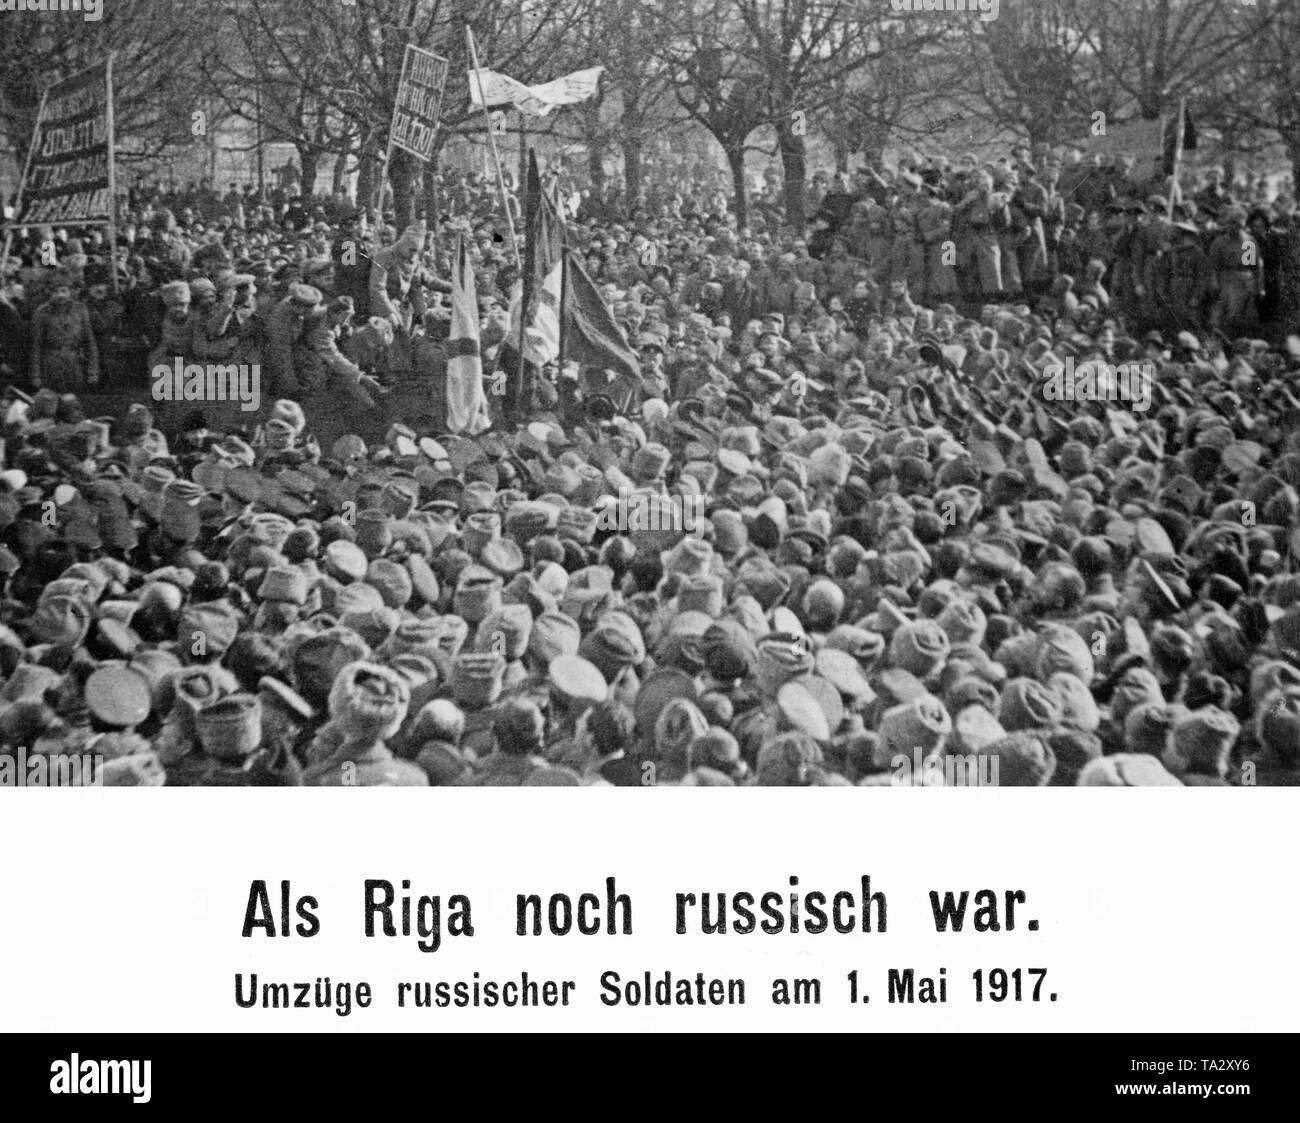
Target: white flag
467, 409
536, 101
542, 336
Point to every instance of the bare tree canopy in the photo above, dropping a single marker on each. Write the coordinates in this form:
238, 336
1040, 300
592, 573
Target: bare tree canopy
760, 79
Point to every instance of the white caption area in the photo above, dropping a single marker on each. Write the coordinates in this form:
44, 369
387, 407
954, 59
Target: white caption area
1156, 911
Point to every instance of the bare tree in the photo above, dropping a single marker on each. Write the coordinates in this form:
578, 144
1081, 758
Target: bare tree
636, 87
1261, 99
329, 71
1033, 72
805, 49
893, 98
717, 86
1158, 51
740, 65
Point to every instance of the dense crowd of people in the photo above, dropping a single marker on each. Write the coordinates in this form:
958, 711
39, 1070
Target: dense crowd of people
828, 529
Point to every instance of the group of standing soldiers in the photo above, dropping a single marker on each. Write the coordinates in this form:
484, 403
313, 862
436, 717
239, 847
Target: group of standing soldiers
293, 323
1011, 230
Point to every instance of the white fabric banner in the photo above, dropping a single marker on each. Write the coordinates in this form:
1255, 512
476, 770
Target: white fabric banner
536, 101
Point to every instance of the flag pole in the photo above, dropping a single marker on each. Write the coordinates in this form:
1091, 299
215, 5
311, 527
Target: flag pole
525, 288
564, 298
385, 181
492, 143
564, 279
112, 177
22, 181
1174, 190
385, 178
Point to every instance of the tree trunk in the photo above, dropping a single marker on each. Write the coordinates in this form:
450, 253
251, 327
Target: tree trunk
1292, 141
1229, 155
1229, 166
1040, 132
736, 161
523, 156
841, 150
874, 139
430, 203
794, 167
404, 198
309, 161
632, 167
366, 173
338, 173
596, 166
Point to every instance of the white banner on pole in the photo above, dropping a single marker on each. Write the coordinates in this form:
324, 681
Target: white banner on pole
536, 101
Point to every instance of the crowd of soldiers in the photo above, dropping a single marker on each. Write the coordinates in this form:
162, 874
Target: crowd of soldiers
826, 523
1070, 232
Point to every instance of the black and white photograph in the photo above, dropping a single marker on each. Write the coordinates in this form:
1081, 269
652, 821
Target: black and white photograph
877, 394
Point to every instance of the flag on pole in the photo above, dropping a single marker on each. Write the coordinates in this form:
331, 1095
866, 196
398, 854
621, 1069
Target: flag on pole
467, 409
476, 74
1180, 138
538, 304
592, 337
536, 101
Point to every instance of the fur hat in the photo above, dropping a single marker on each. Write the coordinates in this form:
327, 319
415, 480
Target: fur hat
920, 724
230, 728
369, 702
318, 660
919, 647
506, 631
789, 760
1126, 770
553, 634
393, 581
1277, 724
1028, 704
477, 678
284, 583
478, 593
1078, 707
782, 656
1024, 760
1202, 743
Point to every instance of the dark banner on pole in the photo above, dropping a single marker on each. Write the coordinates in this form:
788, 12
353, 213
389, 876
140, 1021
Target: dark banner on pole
419, 102
69, 180
1178, 144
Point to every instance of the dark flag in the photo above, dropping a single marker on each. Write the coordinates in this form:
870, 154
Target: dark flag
543, 247
1174, 134
535, 310
592, 337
